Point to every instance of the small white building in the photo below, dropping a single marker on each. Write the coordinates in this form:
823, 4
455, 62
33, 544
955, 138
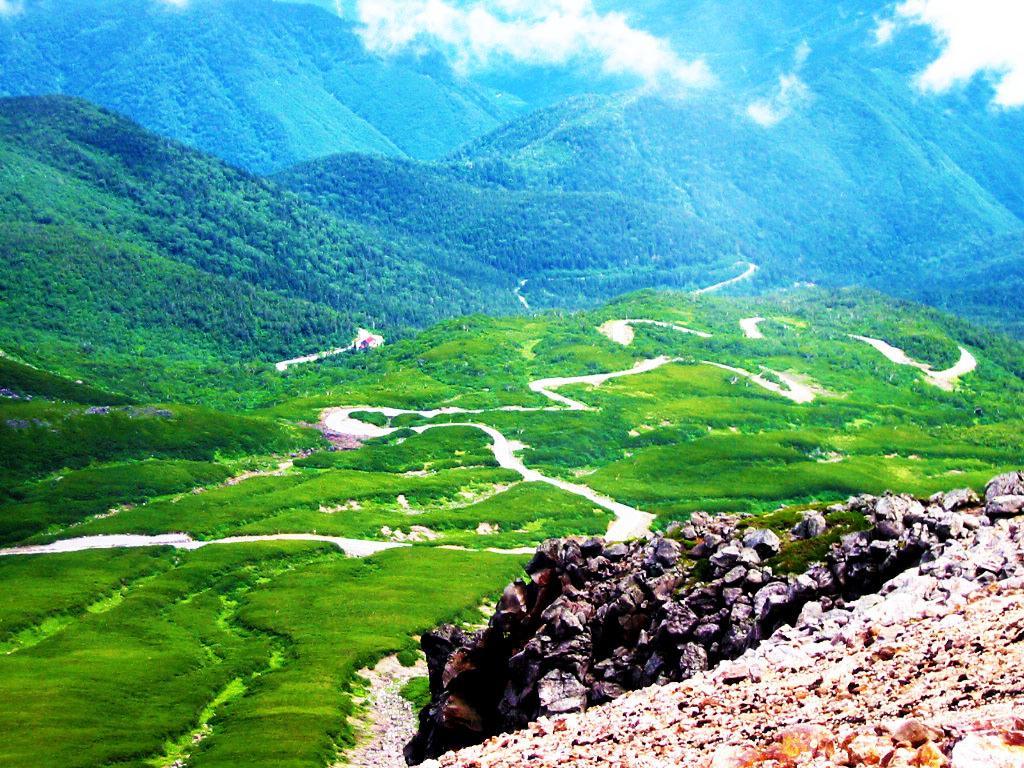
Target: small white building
366, 340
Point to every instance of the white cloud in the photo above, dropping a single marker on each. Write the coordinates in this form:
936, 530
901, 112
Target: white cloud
554, 32
11, 7
884, 31
772, 110
982, 37
790, 93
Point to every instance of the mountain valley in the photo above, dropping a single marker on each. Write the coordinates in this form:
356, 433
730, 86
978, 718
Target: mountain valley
481, 383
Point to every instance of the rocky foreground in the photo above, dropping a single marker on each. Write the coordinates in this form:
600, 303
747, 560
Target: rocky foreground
903, 647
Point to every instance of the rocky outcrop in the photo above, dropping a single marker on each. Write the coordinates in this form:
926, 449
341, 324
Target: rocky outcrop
924, 674
593, 621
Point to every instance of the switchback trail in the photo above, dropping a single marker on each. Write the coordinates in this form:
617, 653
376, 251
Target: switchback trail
945, 380
629, 522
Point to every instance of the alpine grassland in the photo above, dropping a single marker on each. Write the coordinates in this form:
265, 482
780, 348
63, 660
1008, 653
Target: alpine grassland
249, 652
318, 317
274, 632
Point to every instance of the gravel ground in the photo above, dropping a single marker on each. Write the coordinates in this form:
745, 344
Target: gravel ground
391, 720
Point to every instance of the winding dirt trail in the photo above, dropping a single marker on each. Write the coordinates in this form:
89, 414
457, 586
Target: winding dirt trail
629, 522
750, 271
351, 547
945, 380
749, 326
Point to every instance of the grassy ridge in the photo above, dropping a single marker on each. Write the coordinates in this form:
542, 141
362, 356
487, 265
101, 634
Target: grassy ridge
74, 496
180, 639
339, 618
25, 381
38, 437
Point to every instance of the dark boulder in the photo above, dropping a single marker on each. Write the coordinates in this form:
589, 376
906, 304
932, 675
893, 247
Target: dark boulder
593, 621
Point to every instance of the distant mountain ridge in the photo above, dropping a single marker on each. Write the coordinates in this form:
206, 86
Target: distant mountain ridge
813, 155
259, 83
599, 194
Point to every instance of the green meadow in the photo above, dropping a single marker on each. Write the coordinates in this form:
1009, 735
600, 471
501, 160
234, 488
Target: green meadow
249, 653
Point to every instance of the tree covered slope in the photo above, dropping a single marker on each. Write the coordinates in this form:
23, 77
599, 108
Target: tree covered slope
575, 247
602, 194
813, 154
261, 84
121, 246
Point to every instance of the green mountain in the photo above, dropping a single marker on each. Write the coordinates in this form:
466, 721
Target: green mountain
850, 177
259, 83
603, 194
574, 247
131, 258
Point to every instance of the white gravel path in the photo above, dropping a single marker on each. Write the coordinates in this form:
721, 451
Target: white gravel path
546, 387
945, 380
750, 271
519, 294
351, 547
621, 331
284, 365
749, 325
793, 389
392, 722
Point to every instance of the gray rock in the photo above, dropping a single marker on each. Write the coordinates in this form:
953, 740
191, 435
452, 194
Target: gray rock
1005, 506
663, 552
560, 692
692, 659
749, 557
616, 552
726, 557
735, 576
812, 525
1010, 484
958, 499
763, 541
706, 634
756, 578
810, 614
769, 598
892, 509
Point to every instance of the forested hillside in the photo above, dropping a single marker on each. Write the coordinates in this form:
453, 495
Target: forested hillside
574, 247
123, 251
811, 154
259, 83
603, 194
